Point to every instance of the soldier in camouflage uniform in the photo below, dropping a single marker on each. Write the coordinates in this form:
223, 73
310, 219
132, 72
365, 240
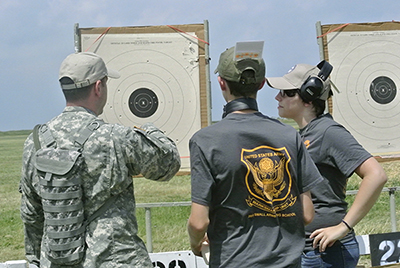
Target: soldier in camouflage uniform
113, 154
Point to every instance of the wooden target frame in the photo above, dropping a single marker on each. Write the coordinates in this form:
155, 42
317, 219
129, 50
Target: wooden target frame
366, 82
164, 77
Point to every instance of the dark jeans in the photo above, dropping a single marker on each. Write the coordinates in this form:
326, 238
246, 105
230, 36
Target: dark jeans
340, 255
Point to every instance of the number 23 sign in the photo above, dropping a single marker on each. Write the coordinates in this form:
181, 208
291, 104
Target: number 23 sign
385, 248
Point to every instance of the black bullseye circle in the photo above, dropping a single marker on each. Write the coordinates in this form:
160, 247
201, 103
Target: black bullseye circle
383, 90
143, 102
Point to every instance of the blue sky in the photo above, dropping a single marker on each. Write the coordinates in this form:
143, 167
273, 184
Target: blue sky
37, 35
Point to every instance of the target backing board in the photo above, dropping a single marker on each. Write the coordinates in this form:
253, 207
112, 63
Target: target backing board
366, 73
163, 77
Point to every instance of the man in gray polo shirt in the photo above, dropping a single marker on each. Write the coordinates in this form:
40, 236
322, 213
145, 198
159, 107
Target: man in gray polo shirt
251, 177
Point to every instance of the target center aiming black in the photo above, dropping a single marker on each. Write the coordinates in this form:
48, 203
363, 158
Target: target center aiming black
143, 102
383, 90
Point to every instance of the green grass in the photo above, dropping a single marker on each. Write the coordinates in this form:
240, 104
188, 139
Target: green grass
289, 122
11, 232
168, 223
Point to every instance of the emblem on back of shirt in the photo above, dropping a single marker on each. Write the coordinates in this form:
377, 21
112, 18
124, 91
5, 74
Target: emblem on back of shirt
268, 179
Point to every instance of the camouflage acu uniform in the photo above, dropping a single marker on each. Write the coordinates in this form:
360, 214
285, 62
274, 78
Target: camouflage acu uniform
113, 154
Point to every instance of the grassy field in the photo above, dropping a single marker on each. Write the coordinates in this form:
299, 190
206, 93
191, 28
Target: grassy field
168, 224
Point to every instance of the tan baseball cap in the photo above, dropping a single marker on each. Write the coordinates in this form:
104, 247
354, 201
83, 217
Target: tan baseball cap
84, 68
296, 77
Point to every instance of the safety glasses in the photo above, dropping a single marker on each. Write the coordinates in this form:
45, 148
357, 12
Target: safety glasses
290, 93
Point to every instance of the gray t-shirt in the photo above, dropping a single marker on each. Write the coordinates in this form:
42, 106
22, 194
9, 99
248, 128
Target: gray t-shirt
337, 155
249, 170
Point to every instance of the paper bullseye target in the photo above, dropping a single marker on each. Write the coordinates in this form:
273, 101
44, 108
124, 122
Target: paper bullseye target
156, 88
159, 83
367, 74
143, 102
383, 90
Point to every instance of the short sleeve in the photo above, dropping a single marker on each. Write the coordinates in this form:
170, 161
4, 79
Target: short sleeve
202, 180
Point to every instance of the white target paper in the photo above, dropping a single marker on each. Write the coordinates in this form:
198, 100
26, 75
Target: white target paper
159, 82
367, 74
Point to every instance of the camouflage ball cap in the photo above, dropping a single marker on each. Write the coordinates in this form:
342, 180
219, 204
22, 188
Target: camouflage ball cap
231, 69
84, 68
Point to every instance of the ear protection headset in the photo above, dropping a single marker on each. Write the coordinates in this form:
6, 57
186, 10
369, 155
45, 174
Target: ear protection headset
240, 104
313, 86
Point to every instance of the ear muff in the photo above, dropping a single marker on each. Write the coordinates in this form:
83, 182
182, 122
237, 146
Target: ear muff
311, 89
240, 104
313, 86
